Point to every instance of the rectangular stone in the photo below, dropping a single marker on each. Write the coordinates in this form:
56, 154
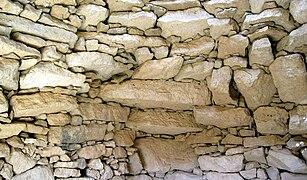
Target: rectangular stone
221, 164
157, 94
39, 103
270, 140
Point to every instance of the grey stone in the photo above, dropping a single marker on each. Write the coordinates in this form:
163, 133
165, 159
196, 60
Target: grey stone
9, 75
221, 164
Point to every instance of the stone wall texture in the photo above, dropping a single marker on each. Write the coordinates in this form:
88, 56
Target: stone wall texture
153, 89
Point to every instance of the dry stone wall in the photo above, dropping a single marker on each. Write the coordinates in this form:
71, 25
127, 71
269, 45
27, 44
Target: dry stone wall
153, 89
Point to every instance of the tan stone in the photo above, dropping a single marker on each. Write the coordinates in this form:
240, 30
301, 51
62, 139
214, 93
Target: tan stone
66, 172
196, 47
59, 119
92, 152
151, 94
9, 130
298, 120
160, 52
261, 52
221, 164
185, 24
256, 86
298, 9
258, 6
49, 3
270, 140
141, 20
20, 161
51, 151
289, 75
162, 122
39, 103
124, 138
76, 134
274, 33
233, 45
222, 91
79, 164
279, 16
161, 155
142, 55
59, 12
271, 120
220, 27
37, 173
4, 150
124, 5
198, 71
235, 62
222, 117
102, 112
102, 64
93, 14
49, 20
205, 150
159, 69
211, 136
135, 164
256, 155
33, 129
31, 13
231, 139
176, 4
228, 176
10, 7
3, 103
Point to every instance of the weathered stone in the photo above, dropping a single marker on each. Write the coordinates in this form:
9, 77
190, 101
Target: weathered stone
256, 86
284, 159
198, 71
79, 163
291, 176
3, 103
124, 5
10, 7
271, 120
160, 52
142, 55
58, 119
37, 173
273, 173
275, 34
295, 41
298, 120
151, 94
102, 112
162, 122
289, 75
205, 150
256, 155
76, 134
220, 27
49, 20
9, 75
196, 47
182, 175
47, 32
258, 6
235, 62
270, 140
48, 74
95, 164
7, 171
211, 136
135, 164
66, 172
185, 24
108, 173
93, 14
4, 150
176, 4
51, 151
49, 3
20, 161
261, 52
298, 9
231, 139
279, 16
233, 45
222, 117
161, 155
159, 69
124, 138
101, 63
249, 174
218, 176
221, 164
31, 13
219, 84
9, 130
227, 9
39, 103
92, 152
139, 177
33, 129
141, 20
59, 12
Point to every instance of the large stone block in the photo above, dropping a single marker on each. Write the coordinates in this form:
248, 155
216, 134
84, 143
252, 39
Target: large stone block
37, 173
221, 164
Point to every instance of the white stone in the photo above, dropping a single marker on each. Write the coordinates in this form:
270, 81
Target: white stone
298, 9
198, 71
31, 13
49, 3
298, 120
182, 175
142, 55
220, 27
224, 176
3, 103
10, 7
221, 164
261, 52
9, 130
124, 5
9, 75
93, 14
176, 4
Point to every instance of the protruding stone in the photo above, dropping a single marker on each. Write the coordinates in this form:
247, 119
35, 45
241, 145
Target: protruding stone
289, 75
298, 9
37, 173
161, 155
93, 14
198, 71
151, 94
221, 164
261, 52
162, 122
256, 86
220, 85
271, 120
274, 33
270, 140
9, 75
298, 120
141, 20
220, 27
31, 13
234, 45
185, 24
76, 134
196, 47
222, 117
39, 103
92, 152
20, 161
103, 64
10, 7
159, 69
284, 159
124, 5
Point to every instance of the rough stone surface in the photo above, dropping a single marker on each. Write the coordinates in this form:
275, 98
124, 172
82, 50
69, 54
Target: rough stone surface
228, 176
222, 117
198, 71
3, 103
297, 9
220, 27
291, 176
20, 161
182, 175
290, 70
222, 163
124, 138
298, 120
92, 152
234, 45
154, 94
161, 155
93, 14
124, 5
37, 173
160, 122
269, 140
261, 52
176, 4
4, 150
8, 130
256, 155
9, 74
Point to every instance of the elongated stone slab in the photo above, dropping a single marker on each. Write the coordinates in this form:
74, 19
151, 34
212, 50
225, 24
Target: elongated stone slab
155, 94
162, 122
221, 164
161, 155
39, 103
176, 4
47, 32
222, 117
9, 130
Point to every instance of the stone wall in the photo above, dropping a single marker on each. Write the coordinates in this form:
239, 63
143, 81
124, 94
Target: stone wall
153, 89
